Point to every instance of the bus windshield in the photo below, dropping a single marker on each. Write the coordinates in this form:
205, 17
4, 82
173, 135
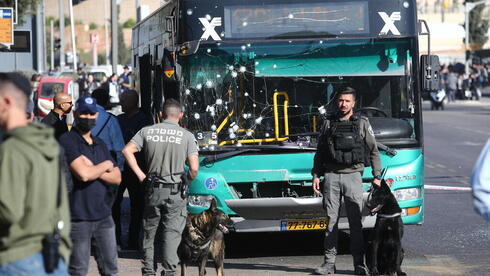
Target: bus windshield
279, 93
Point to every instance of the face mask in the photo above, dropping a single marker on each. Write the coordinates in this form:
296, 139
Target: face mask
84, 124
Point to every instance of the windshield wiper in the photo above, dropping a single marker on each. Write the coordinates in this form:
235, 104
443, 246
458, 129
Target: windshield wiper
252, 148
224, 155
388, 150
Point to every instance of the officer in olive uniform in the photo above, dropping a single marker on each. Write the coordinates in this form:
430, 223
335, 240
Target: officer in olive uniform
346, 143
166, 147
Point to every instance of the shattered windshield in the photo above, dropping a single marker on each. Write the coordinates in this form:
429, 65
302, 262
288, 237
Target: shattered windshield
279, 93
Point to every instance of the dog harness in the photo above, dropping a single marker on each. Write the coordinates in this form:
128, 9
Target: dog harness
389, 216
196, 236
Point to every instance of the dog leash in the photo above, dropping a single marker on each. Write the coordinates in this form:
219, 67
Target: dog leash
389, 216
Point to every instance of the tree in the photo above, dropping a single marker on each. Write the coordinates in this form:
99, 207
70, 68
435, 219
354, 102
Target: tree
124, 53
478, 25
101, 59
130, 23
24, 7
56, 21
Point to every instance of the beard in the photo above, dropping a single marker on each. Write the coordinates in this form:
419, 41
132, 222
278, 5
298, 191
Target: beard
345, 112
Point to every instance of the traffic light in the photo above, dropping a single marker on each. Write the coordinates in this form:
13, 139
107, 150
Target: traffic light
57, 43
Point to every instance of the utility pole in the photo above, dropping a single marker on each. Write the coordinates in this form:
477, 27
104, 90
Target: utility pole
40, 39
51, 23
114, 39
106, 29
73, 43
468, 6
45, 60
138, 11
62, 34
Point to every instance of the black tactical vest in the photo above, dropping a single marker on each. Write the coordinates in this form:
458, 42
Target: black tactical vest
343, 143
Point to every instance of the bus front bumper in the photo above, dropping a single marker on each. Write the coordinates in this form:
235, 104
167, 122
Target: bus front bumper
250, 225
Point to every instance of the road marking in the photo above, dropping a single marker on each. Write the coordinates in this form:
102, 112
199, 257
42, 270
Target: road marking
471, 130
441, 264
447, 188
440, 166
468, 143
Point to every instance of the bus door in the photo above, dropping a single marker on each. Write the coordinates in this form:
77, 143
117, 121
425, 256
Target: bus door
145, 81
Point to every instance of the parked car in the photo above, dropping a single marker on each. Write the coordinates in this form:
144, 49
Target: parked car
102, 70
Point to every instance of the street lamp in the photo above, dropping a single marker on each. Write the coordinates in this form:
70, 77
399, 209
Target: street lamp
468, 6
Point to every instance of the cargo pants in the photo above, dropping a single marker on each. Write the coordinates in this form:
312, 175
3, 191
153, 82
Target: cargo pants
166, 212
349, 187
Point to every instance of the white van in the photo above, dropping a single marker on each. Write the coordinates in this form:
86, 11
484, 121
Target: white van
102, 70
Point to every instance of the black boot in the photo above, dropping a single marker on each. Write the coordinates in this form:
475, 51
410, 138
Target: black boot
359, 266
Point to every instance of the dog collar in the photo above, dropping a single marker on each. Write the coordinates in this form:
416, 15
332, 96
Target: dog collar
389, 216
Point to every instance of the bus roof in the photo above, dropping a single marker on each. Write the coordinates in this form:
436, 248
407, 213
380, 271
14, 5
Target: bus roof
152, 14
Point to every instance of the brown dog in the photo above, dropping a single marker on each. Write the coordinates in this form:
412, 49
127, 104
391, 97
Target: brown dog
202, 238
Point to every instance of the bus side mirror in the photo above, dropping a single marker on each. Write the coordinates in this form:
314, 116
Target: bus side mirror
169, 24
430, 68
189, 48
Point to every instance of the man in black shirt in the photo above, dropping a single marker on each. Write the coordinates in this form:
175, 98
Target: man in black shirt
93, 171
131, 121
57, 117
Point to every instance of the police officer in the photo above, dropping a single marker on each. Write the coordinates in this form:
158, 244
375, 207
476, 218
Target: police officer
166, 147
346, 143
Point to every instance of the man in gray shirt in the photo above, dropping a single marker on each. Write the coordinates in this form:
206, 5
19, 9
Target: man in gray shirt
346, 143
166, 147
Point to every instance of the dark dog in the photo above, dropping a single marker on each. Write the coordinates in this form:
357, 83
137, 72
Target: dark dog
385, 253
202, 238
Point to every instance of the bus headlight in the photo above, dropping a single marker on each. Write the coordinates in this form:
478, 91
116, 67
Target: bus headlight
200, 200
407, 194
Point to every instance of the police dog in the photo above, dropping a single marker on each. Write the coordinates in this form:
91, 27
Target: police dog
203, 237
385, 253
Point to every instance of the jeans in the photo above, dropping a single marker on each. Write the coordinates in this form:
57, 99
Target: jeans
137, 200
451, 97
31, 266
104, 234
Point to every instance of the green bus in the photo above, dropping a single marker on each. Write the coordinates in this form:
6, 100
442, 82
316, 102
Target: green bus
257, 79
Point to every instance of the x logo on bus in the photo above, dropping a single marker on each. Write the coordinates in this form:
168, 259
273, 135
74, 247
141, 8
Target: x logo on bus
209, 28
390, 23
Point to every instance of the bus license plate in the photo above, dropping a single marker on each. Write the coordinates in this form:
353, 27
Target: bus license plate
310, 224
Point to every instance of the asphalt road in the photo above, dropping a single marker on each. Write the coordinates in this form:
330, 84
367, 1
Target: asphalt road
453, 240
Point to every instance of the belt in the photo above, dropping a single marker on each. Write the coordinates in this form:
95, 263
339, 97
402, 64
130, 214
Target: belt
166, 185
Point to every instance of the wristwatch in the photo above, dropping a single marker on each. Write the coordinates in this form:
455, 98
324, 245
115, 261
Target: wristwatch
378, 177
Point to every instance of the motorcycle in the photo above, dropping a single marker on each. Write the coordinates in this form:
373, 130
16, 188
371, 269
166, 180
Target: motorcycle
437, 99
